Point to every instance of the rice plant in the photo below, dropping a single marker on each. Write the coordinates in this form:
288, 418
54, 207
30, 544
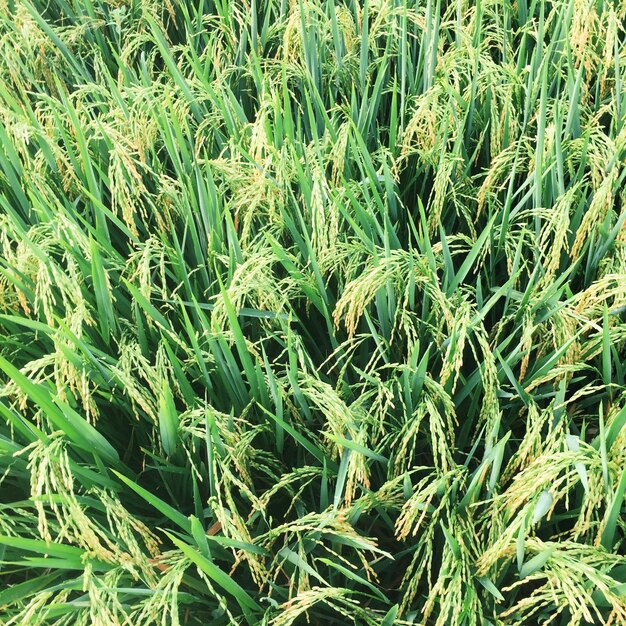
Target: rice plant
312, 312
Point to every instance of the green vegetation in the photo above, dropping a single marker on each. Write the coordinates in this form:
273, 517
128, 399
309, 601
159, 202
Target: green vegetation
312, 312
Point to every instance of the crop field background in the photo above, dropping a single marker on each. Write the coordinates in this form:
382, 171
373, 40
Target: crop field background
312, 312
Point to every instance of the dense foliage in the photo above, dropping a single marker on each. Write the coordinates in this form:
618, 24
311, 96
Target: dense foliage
312, 312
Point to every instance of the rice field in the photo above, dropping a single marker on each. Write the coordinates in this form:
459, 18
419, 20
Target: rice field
312, 312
